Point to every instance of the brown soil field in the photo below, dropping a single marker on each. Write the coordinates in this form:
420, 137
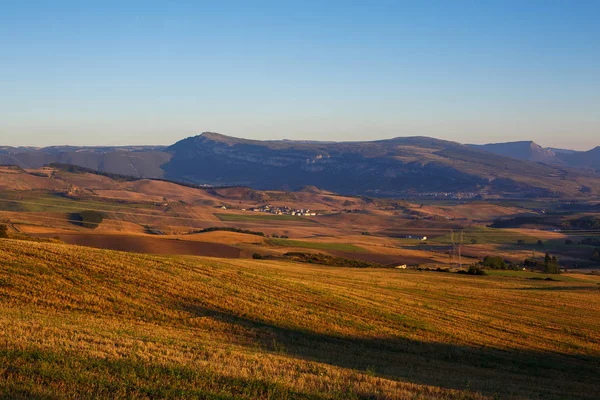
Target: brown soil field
150, 245
223, 237
537, 233
33, 229
24, 181
471, 211
171, 191
88, 181
122, 194
113, 225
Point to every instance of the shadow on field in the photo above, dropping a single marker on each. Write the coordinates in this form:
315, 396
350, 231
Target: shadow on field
45, 375
486, 370
559, 288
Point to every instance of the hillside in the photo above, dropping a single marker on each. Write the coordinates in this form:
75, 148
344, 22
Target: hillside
138, 161
530, 151
395, 167
80, 323
588, 159
399, 167
526, 150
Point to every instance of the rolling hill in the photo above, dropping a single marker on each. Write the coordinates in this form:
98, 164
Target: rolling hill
400, 167
86, 323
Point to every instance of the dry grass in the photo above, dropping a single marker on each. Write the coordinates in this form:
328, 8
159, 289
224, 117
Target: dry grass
78, 322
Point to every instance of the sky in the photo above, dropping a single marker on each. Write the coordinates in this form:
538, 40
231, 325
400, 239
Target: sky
154, 72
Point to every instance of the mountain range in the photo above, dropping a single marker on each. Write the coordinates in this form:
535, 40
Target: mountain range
531, 151
403, 166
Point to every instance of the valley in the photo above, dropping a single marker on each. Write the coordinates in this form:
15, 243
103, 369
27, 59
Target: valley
149, 288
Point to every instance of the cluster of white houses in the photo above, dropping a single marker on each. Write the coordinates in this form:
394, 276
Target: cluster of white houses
284, 210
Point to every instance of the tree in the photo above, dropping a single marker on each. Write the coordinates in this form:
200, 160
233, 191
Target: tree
494, 262
540, 243
475, 270
551, 265
3, 231
88, 218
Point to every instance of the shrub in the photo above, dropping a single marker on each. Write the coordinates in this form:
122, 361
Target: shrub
568, 242
494, 262
325, 259
475, 270
520, 242
88, 218
551, 265
596, 255
591, 241
257, 256
3, 231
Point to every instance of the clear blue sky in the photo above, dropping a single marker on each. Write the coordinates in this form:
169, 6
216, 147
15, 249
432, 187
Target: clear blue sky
153, 72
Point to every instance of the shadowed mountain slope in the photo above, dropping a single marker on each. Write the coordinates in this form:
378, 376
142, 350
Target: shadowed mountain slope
394, 167
404, 166
525, 150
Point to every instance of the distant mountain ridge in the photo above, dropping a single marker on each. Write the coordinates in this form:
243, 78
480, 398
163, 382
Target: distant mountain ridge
402, 166
531, 151
524, 150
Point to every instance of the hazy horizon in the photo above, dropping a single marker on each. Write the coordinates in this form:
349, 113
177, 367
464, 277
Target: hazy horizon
273, 139
153, 73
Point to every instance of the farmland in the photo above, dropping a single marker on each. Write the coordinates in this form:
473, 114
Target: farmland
146, 289
80, 322
318, 245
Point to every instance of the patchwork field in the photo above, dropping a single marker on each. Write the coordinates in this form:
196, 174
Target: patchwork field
160, 217
150, 245
79, 322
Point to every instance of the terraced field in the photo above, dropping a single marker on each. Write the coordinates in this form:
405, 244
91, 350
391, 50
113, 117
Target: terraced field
78, 322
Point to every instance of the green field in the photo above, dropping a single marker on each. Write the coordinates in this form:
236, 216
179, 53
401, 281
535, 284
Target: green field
77, 322
43, 202
318, 245
485, 236
533, 275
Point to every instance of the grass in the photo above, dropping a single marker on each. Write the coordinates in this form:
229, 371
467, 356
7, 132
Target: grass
486, 236
532, 275
77, 322
41, 201
260, 217
318, 245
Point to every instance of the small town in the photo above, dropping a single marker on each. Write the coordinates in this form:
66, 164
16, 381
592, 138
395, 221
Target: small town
285, 210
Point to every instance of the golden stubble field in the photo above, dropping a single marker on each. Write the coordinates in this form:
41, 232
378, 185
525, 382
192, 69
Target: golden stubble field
84, 323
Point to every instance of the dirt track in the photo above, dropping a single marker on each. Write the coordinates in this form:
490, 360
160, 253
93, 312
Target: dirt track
151, 245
